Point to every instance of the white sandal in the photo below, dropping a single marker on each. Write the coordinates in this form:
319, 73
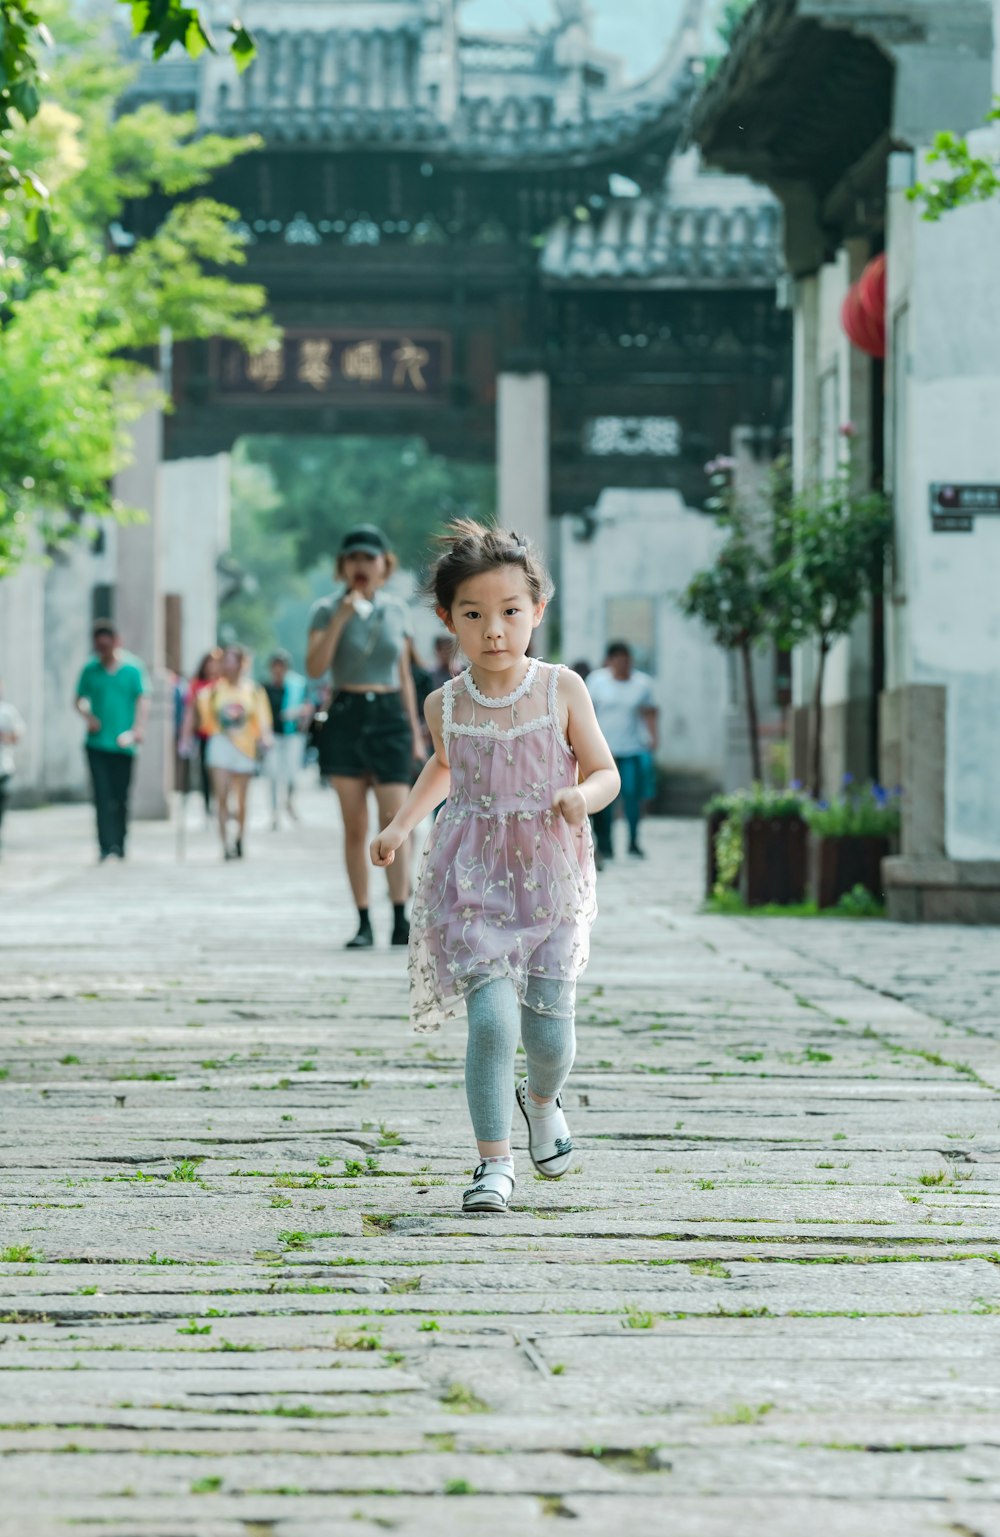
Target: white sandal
550, 1158
492, 1190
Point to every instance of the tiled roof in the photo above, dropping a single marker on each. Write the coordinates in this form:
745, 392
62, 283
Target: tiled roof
365, 88
338, 83
655, 238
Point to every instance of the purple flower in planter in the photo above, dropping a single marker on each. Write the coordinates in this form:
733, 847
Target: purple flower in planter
879, 795
795, 784
823, 805
848, 780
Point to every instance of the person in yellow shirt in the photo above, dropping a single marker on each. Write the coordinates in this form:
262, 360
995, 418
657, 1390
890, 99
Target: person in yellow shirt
235, 716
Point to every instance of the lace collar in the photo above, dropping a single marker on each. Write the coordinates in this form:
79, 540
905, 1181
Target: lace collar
525, 686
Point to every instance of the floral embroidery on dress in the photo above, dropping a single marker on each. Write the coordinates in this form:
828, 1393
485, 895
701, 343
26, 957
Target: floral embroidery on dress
506, 887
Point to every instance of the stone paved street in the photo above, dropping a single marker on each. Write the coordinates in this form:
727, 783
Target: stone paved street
240, 1300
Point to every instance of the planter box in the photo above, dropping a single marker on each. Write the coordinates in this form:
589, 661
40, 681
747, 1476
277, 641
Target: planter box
713, 822
774, 861
837, 865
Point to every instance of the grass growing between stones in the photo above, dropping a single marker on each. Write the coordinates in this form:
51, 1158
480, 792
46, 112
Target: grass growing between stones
743, 1414
462, 1400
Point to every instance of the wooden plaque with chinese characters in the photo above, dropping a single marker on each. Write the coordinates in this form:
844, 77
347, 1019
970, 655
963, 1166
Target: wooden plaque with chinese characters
337, 365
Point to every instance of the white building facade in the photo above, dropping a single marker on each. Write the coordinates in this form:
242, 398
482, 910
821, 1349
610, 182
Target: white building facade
913, 692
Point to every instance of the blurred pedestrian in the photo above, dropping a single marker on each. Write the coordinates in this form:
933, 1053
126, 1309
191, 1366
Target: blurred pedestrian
191, 730
626, 709
286, 694
446, 664
372, 734
11, 732
112, 695
234, 713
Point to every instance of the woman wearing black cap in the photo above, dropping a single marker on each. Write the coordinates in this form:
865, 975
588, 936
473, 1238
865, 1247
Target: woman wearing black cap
372, 733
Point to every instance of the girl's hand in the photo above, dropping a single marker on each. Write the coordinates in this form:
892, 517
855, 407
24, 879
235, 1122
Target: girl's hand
383, 847
571, 805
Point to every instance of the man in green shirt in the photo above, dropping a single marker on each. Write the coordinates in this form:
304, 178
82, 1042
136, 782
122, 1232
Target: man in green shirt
113, 698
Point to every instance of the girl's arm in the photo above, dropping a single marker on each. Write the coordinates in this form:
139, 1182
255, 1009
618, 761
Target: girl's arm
599, 778
429, 791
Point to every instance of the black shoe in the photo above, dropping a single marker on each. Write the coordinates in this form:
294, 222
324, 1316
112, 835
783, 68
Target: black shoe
636, 851
364, 939
401, 931
239, 848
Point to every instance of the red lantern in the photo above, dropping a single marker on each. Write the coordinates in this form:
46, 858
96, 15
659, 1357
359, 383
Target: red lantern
863, 312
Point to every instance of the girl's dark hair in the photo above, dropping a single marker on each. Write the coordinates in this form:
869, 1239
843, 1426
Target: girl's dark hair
215, 655
470, 548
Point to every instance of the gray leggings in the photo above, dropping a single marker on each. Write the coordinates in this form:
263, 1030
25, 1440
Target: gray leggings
545, 1024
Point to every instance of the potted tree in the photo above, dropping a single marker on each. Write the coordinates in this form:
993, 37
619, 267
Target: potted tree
848, 839
834, 541
732, 599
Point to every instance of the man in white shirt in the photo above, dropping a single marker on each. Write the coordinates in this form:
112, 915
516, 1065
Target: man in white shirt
627, 715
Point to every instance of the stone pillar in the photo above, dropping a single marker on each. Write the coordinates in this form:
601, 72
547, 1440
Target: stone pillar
139, 611
523, 463
22, 669
194, 507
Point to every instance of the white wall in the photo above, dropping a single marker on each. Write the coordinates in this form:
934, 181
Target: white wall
944, 307
832, 388
45, 625
22, 653
648, 544
194, 507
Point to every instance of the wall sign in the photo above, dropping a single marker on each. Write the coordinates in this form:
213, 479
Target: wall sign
344, 365
954, 508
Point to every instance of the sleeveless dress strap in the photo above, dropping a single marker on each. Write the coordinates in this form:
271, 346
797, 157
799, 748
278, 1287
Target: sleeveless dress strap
554, 692
447, 693
555, 669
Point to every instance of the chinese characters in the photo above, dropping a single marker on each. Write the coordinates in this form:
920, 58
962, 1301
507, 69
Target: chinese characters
308, 365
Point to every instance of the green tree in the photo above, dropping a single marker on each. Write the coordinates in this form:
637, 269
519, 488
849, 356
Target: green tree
973, 178
732, 600
326, 485
735, 598
75, 316
26, 36
728, 24
835, 539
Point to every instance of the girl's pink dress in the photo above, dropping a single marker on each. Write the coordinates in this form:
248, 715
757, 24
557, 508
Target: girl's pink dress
507, 888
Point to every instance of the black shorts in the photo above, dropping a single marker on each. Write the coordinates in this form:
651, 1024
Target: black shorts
367, 736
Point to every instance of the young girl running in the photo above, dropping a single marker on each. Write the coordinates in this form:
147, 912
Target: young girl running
505, 902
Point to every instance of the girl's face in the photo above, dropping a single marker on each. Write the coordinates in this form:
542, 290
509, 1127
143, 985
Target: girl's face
363, 573
493, 616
